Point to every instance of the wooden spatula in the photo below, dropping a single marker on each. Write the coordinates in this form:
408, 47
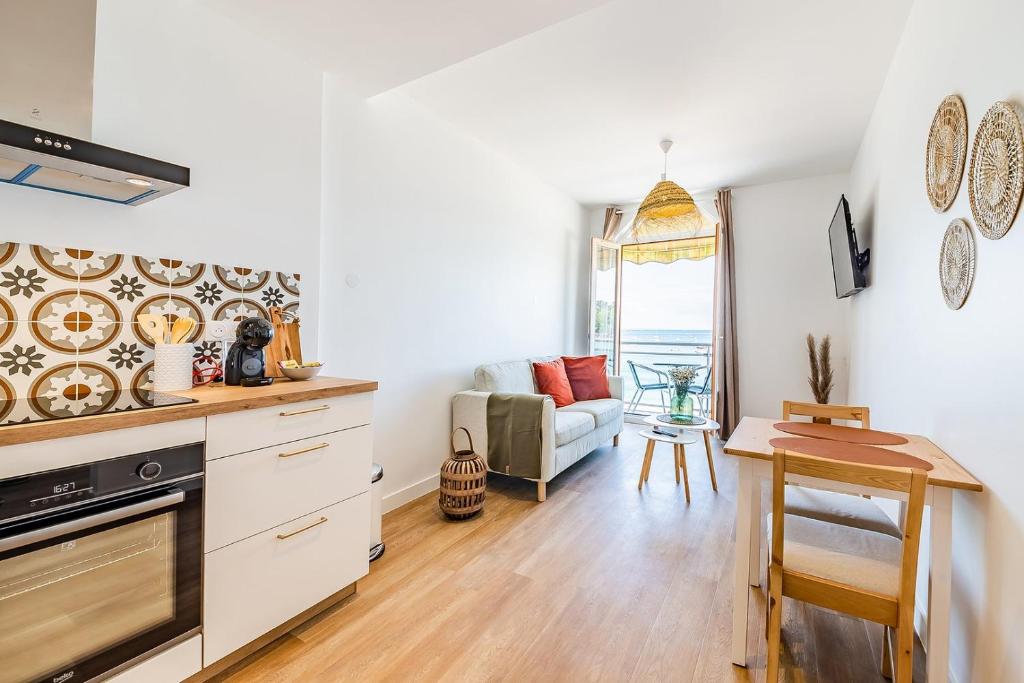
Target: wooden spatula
155, 326
181, 328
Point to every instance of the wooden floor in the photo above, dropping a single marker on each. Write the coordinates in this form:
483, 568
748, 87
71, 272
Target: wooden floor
599, 583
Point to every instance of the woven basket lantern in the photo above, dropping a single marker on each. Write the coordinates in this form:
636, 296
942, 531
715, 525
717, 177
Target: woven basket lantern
463, 481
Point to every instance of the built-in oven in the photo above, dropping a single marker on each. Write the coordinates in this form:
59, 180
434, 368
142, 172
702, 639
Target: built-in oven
100, 564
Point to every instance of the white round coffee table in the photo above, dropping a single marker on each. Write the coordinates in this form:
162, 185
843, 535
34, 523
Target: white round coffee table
679, 443
706, 428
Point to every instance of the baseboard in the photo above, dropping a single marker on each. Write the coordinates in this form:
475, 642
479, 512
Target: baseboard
411, 492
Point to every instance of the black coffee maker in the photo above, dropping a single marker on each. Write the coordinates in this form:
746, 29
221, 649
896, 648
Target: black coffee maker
245, 362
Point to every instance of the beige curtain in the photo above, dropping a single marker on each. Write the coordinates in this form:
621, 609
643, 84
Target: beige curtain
612, 218
728, 365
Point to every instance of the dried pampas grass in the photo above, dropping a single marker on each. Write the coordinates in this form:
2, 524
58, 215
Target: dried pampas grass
820, 357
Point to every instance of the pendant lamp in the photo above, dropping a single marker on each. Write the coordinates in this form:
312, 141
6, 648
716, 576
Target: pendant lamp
668, 210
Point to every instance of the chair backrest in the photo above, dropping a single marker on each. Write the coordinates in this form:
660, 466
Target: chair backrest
632, 371
912, 482
833, 411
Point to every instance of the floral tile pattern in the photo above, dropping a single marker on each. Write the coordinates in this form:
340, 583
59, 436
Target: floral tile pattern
69, 336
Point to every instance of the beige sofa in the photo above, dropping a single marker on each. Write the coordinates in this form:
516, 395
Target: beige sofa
567, 434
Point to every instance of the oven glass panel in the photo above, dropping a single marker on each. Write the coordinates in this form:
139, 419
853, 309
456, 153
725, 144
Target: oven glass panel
67, 601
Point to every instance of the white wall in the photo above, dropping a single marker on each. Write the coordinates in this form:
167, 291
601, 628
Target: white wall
784, 289
178, 82
955, 376
438, 255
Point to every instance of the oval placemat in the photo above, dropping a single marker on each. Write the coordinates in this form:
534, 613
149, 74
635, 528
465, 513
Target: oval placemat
869, 437
850, 452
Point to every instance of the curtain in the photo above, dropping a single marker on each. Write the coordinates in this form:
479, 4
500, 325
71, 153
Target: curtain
612, 218
728, 365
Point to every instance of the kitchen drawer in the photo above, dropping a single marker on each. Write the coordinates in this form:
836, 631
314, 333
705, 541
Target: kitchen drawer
254, 491
255, 585
247, 430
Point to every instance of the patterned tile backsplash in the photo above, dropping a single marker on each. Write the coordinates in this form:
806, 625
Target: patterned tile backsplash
69, 335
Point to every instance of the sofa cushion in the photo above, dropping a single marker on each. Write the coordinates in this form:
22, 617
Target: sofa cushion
570, 426
604, 410
551, 379
514, 377
588, 377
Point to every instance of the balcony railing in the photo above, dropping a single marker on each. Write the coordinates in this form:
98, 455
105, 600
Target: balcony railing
661, 356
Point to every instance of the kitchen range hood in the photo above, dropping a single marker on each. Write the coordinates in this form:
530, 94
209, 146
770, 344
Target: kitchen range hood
46, 110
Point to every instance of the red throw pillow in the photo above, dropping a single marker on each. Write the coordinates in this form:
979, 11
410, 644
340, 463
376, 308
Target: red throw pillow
587, 377
551, 380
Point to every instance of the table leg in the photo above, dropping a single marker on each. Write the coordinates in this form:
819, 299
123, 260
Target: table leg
940, 584
711, 461
741, 562
754, 566
645, 466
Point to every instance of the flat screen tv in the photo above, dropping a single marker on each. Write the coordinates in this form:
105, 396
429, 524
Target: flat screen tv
848, 264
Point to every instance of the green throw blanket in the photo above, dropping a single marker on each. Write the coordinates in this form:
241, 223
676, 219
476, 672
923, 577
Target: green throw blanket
513, 434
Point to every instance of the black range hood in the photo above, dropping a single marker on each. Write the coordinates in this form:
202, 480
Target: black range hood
49, 161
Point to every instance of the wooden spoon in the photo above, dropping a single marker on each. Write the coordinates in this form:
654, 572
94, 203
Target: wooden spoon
155, 326
181, 328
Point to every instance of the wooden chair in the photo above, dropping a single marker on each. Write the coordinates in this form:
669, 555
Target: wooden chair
861, 573
833, 411
828, 506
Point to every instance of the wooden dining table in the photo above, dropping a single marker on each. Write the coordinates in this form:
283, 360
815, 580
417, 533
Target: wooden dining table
749, 443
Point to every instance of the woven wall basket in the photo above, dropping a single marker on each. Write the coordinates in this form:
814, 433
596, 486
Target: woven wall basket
996, 178
946, 152
957, 263
463, 481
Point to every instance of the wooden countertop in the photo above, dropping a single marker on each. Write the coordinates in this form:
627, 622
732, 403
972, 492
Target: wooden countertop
211, 401
750, 440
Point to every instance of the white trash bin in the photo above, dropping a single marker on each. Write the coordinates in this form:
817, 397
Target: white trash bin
376, 495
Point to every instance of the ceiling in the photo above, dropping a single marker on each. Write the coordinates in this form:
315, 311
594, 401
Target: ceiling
380, 44
580, 92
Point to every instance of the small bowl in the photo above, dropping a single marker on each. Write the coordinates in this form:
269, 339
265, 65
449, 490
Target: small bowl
299, 374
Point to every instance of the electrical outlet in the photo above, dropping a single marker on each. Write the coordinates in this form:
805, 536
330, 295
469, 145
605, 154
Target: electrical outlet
220, 330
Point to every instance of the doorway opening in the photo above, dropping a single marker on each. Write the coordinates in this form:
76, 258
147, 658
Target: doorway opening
667, 314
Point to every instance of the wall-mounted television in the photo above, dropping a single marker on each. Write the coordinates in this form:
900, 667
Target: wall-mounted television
848, 264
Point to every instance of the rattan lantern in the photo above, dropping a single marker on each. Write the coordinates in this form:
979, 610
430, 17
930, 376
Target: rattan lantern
668, 209
463, 481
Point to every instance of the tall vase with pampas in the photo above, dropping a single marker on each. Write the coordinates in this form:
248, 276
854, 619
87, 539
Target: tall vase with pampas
821, 379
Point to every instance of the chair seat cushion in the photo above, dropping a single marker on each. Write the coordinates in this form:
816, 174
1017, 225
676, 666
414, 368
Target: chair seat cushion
863, 559
603, 410
839, 508
570, 426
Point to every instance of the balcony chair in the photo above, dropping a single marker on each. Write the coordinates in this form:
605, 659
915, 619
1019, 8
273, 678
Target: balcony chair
642, 388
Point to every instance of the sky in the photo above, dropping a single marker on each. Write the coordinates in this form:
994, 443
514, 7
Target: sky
676, 296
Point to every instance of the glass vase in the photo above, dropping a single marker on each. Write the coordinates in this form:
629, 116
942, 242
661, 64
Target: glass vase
681, 407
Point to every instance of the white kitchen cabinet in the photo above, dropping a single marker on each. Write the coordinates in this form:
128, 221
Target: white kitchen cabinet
254, 491
248, 430
263, 581
287, 514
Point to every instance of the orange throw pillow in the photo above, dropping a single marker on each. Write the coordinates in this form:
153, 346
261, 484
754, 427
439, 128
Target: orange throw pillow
587, 377
551, 380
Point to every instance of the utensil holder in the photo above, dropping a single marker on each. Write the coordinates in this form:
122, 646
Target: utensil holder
172, 370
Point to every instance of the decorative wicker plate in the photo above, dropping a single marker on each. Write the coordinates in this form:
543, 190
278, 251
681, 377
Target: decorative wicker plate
996, 177
946, 153
850, 452
683, 422
956, 263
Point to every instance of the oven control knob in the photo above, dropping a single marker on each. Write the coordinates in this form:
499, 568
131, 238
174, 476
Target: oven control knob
149, 470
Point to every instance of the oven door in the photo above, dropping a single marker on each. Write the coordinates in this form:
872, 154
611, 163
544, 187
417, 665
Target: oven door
85, 592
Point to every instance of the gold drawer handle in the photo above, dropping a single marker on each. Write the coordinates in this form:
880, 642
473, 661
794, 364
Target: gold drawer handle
318, 522
291, 454
304, 411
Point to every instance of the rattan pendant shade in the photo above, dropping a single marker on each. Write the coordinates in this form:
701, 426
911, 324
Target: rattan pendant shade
667, 211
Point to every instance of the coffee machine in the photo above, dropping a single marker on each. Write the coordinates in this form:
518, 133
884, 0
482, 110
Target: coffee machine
245, 362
